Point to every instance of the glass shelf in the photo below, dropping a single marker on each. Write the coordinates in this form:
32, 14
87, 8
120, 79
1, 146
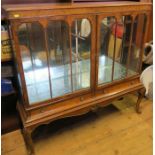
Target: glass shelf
39, 90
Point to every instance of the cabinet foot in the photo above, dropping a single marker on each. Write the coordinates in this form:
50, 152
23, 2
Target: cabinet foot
29, 142
141, 94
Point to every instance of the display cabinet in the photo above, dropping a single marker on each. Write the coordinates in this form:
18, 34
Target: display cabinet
74, 58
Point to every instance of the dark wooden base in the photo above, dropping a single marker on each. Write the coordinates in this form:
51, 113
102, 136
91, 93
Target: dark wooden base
27, 134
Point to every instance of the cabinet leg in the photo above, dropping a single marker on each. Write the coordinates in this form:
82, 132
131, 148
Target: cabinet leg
28, 140
141, 94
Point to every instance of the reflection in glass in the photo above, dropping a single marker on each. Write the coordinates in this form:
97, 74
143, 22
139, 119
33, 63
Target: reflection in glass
58, 45
123, 33
34, 61
107, 39
81, 41
136, 46
115, 39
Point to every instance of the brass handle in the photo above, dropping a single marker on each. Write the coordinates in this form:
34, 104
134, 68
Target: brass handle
16, 15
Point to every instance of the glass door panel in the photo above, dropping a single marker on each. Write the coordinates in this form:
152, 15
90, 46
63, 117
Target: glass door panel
122, 33
136, 46
119, 51
81, 47
59, 57
106, 50
34, 61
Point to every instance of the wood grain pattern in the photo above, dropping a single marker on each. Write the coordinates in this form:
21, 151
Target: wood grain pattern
46, 6
85, 100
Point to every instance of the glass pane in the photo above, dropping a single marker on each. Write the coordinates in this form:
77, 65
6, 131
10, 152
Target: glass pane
81, 47
58, 44
137, 39
34, 61
122, 33
107, 39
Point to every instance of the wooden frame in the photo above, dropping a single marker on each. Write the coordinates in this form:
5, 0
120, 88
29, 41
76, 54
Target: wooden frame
81, 101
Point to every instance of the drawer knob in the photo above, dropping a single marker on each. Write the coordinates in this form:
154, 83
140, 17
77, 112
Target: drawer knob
16, 15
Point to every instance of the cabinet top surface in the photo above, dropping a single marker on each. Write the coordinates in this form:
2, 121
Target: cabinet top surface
43, 6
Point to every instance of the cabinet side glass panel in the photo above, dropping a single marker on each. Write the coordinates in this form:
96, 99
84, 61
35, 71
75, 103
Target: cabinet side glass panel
59, 57
106, 50
136, 46
123, 34
34, 61
81, 50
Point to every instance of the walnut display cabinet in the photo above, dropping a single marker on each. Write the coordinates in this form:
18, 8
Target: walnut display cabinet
74, 58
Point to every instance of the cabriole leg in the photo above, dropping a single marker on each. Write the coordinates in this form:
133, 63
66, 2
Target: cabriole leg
141, 94
28, 140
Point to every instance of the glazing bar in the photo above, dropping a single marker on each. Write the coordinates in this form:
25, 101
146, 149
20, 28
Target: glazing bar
129, 50
112, 75
48, 61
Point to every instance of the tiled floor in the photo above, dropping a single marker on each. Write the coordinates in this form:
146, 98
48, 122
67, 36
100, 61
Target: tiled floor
113, 130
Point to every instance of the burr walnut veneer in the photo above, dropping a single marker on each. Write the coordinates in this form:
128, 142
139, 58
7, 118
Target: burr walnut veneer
76, 58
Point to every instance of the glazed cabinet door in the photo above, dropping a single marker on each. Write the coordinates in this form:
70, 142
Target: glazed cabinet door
119, 47
56, 56
59, 57
34, 61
